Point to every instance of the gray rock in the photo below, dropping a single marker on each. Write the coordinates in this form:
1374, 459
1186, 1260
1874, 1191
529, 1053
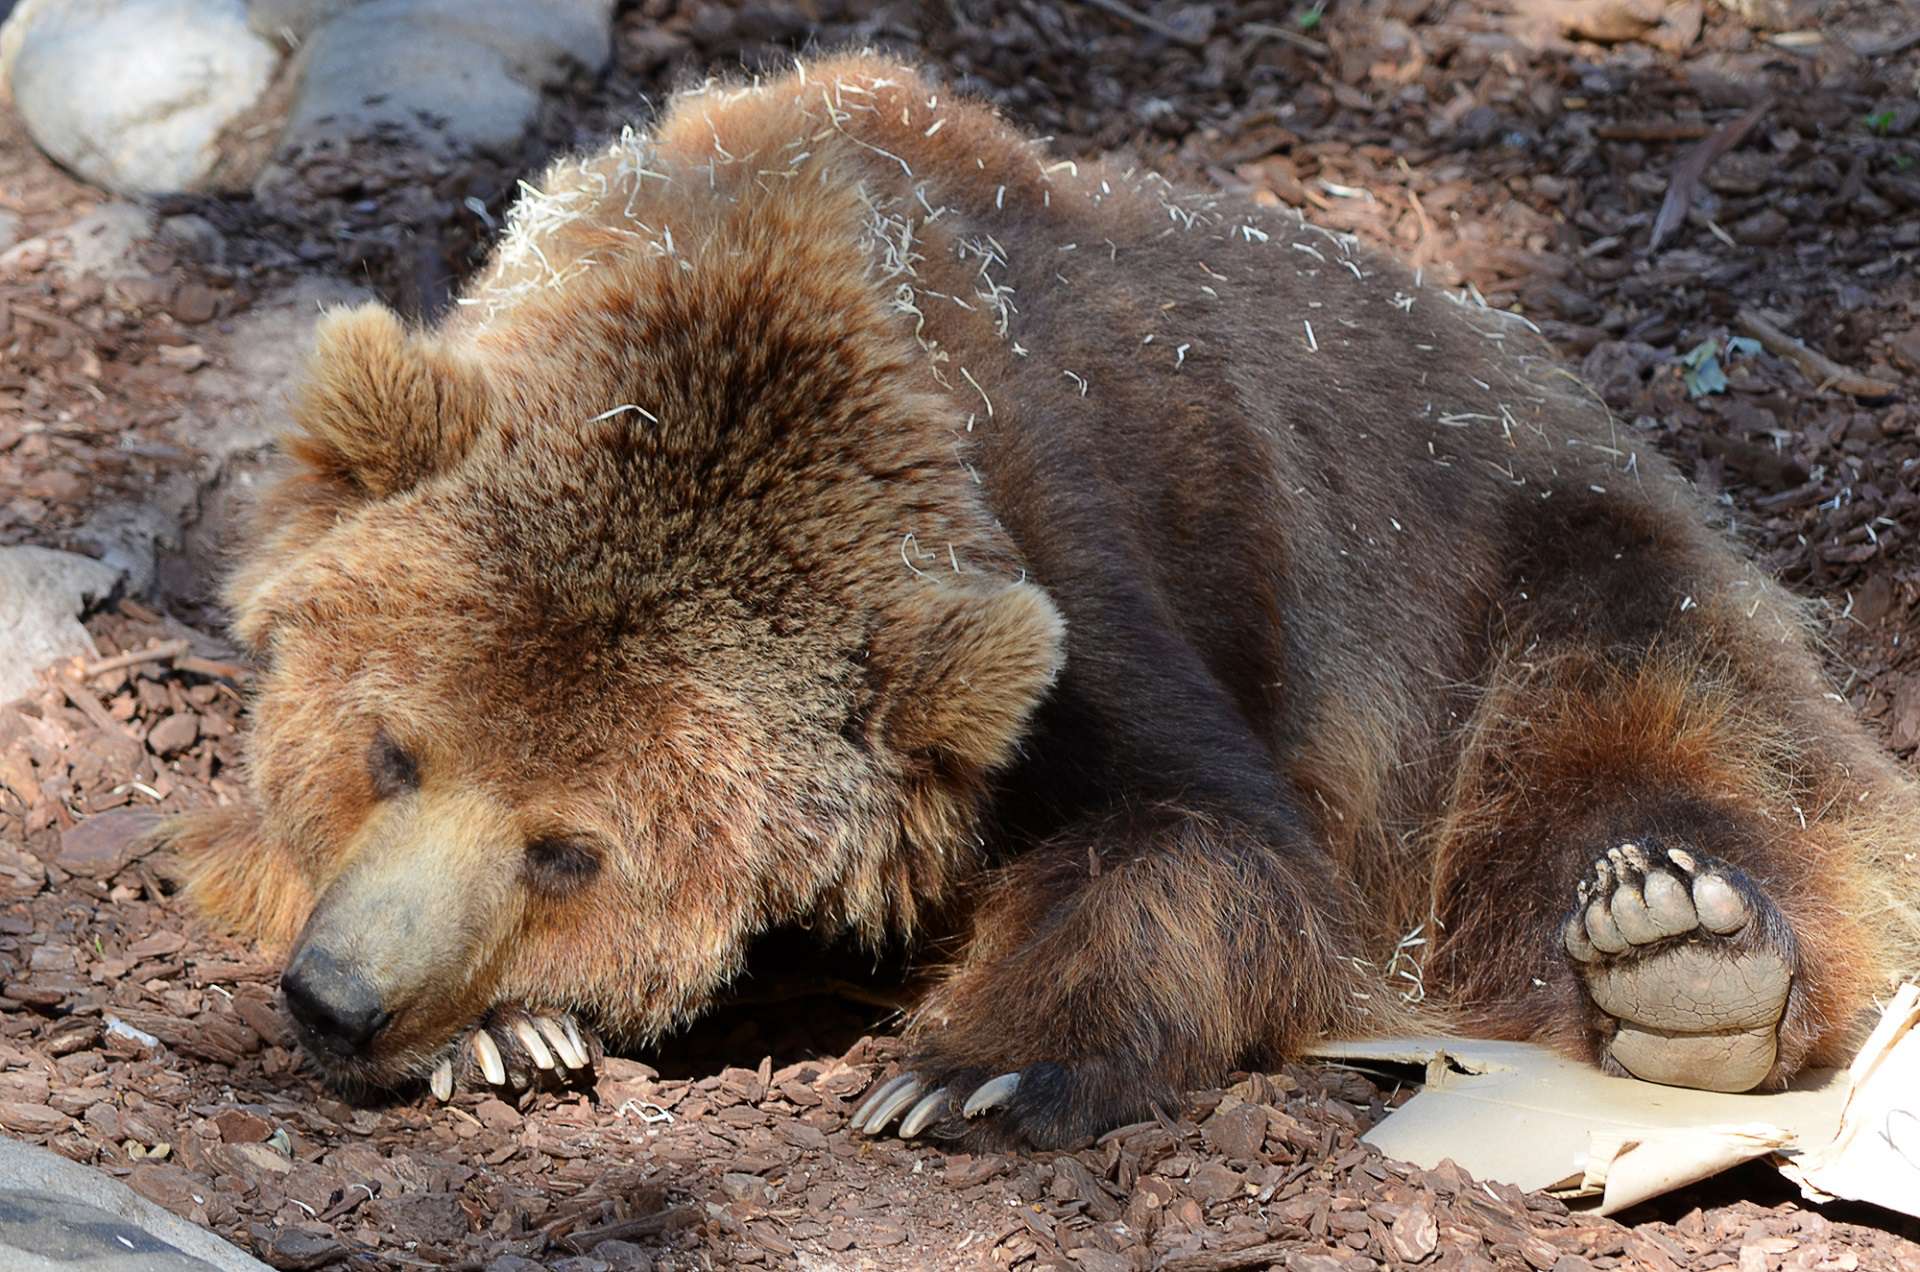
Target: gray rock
177, 542
449, 76
162, 79
103, 243
196, 236
39, 1231
59, 1214
42, 593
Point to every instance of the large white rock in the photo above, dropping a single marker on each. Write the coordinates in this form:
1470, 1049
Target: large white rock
133, 94
42, 594
56, 1214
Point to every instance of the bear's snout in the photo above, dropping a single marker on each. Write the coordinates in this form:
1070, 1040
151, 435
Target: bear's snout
339, 1006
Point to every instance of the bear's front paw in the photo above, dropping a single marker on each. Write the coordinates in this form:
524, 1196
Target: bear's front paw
1045, 1105
924, 1104
515, 1048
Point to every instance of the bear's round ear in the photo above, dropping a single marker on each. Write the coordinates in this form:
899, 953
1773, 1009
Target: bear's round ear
968, 669
383, 408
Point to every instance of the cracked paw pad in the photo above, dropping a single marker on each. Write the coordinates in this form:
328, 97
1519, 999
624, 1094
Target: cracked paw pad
1678, 949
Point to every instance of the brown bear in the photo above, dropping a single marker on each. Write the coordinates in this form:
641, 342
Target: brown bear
830, 509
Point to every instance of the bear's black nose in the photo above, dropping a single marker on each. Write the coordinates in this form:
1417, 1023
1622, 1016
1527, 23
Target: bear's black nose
335, 1002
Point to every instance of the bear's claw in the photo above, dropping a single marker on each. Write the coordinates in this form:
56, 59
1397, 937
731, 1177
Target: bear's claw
908, 1094
991, 1095
512, 1048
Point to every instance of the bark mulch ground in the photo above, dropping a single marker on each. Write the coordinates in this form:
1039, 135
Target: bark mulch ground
1718, 224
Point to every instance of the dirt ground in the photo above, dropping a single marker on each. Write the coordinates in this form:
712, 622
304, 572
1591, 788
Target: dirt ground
1506, 152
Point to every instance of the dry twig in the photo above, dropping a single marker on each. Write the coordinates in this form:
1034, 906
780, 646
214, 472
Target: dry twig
1821, 369
1146, 22
165, 651
1687, 174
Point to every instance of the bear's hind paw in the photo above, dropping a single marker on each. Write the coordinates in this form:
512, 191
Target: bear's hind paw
513, 1048
1689, 960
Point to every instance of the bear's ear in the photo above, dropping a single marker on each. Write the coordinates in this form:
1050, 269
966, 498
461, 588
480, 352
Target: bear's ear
382, 408
237, 876
972, 668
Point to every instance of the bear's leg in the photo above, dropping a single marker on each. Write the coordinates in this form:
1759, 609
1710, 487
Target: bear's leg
1116, 967
1652, 866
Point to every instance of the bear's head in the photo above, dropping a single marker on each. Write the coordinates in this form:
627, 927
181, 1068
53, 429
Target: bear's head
599, 639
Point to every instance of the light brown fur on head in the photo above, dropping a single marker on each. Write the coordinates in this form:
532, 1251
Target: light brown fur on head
678, 637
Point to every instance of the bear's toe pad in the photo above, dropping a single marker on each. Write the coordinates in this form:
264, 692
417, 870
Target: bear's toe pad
1689, 960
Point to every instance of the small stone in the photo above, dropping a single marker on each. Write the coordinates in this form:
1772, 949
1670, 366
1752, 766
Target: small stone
196, 236
194, 303
159, 945
623, 1256
174, 734
22, 875
883, 1232
300, 1250
497, 1115
260, 1159
237, 1126
173, 1187
1906, 349
1762, 229
743, 1187
1217, 1181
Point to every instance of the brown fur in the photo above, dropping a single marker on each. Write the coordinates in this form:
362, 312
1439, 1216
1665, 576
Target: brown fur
1200, 616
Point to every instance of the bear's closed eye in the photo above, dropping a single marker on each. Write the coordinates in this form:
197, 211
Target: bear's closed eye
393, 768
558, 864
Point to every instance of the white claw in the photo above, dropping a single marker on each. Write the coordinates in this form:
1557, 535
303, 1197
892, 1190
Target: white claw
487, 1052
530, 1039
872, 1101
578, 1040
991, 1095
562, 1045
441, 1083
1575, 936
931, 1106
893, 1105
880, 1096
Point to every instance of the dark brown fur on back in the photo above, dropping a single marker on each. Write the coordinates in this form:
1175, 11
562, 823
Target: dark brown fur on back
830, 508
